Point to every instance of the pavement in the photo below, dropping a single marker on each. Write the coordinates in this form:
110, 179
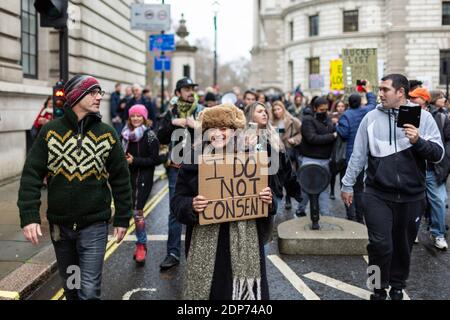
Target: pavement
24, 266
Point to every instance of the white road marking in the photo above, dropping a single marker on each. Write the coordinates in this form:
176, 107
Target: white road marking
128, 295
339, 285
366, 258
155, 237
290, 275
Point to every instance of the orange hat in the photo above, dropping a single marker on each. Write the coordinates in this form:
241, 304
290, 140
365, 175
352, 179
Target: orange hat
421, 93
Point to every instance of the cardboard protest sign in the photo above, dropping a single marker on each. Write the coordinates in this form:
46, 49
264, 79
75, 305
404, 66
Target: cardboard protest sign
359, 64
232, 183
336, 75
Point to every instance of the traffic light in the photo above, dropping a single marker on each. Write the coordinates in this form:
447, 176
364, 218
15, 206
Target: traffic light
53, 13
59, 99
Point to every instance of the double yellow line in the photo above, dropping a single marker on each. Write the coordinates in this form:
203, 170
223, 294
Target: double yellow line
112, 244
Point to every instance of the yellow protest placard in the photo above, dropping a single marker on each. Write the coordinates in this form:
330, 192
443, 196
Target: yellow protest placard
336, 75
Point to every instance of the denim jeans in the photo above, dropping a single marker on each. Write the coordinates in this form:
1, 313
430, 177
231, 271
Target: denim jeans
84, 248
139, 222
175, 227
324, 197
279, 199
437, 197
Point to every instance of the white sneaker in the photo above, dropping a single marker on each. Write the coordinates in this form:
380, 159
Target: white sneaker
440, 243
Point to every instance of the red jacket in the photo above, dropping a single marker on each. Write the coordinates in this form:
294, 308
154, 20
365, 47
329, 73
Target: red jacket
45, 113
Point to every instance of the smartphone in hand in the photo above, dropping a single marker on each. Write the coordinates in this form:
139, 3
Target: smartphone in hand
409, 115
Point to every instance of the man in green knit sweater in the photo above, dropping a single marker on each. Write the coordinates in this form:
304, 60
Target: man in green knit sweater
79, 155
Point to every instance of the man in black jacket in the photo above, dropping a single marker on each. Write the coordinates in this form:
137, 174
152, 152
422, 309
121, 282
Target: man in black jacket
182, 116
114, 108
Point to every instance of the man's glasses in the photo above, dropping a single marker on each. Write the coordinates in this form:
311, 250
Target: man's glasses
95, 92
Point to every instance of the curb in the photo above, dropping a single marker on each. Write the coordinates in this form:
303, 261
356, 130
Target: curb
21, 283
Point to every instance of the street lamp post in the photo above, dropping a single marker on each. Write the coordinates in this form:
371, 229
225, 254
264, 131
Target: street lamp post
215, 6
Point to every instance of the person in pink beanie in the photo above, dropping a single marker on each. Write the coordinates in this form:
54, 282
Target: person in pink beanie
141, 148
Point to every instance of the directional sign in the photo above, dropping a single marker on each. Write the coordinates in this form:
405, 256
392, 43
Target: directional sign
162, 42
161, 63
150, 17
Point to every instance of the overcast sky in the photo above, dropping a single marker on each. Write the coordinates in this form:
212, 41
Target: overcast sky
234, 24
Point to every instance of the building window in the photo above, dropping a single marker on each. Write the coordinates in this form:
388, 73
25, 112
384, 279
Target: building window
445, 66
291, 74
314, 66
186, 71
314, 25
29, 39
291, 31
446, 13
351, 21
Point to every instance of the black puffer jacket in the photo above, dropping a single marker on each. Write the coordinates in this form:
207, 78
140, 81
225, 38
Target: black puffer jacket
318, 138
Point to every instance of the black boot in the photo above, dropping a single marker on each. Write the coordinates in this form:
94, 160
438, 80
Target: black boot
288, 205
378, 294
300, 213
396, 294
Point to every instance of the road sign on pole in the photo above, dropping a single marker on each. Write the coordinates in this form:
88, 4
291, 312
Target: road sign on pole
162, 42
162, 63
150, 17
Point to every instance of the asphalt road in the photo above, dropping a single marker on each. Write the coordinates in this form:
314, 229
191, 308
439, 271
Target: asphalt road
290, 277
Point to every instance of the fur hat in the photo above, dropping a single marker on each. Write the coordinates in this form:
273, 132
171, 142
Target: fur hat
222, 116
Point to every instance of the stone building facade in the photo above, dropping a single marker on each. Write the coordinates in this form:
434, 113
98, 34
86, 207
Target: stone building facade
101, 44
295, 36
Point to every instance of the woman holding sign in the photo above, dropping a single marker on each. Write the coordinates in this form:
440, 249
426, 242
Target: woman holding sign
224, 260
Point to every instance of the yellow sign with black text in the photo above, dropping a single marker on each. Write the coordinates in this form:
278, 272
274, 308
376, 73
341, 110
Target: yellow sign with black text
336, 75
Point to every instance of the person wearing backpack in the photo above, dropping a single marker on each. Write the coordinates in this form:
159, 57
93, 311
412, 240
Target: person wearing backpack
141, 148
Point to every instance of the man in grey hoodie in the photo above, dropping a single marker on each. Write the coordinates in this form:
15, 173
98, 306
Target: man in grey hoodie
394, 194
